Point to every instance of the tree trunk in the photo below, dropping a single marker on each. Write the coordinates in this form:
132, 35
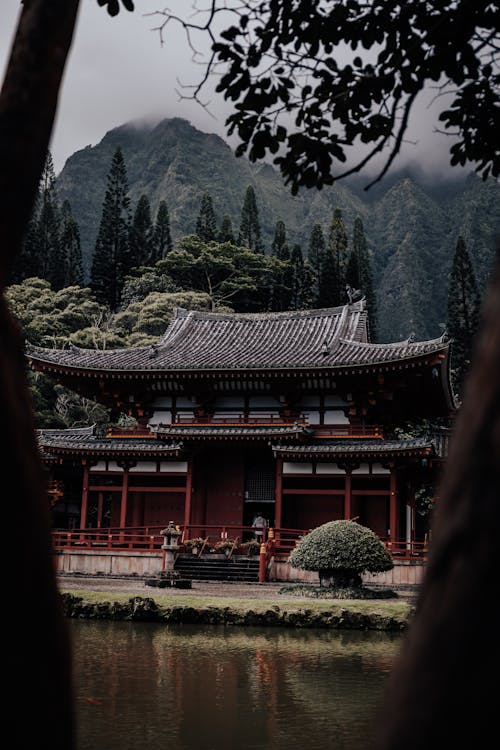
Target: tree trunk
442, 691
38, 706
345, 579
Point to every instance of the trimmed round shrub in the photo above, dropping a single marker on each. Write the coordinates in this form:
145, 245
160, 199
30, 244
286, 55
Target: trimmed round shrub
341, 551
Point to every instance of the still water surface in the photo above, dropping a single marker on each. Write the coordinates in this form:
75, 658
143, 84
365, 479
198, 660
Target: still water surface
142, 685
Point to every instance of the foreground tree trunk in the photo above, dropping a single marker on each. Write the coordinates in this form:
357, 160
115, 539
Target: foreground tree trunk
442, 692
37, 672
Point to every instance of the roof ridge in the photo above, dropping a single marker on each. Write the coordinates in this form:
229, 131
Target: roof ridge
292, 314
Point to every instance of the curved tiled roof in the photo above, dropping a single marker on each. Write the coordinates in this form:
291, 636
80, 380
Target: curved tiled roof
73, 441
325, 338
416, 446
232, 431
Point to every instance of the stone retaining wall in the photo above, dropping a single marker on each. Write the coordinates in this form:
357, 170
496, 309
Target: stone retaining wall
130, 563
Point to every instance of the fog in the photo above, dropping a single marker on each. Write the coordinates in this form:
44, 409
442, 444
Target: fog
118, 71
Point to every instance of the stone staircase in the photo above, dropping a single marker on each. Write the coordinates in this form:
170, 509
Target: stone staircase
217, 568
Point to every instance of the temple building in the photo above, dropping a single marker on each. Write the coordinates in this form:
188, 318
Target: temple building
292, 414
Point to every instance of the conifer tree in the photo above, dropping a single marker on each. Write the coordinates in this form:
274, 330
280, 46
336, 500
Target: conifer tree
70, 248
206, 223
162, 239
226, 233
279, 246
338, 247
328, 282
365, 274
463, 312
28, 262
301, 280
111, 260
50, 262
141, 234
316, 258
249, 233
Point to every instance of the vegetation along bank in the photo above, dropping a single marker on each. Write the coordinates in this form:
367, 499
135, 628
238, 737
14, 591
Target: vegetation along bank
284, 611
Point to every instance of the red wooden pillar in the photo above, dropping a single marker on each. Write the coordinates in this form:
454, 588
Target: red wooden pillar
393, 508
187, 500
348, 496
85, 498
99, 509
124, 498
278, 498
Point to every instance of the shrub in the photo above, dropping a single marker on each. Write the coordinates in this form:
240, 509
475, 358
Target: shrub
341, 551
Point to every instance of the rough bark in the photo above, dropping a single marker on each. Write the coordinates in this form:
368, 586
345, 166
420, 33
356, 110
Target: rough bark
442, 692
37, 671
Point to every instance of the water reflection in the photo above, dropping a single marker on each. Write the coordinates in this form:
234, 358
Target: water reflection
142, 685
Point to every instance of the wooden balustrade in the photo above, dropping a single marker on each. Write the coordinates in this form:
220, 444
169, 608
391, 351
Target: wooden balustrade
279, 541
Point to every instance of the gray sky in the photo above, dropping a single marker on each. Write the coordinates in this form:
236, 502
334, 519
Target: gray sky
118, 72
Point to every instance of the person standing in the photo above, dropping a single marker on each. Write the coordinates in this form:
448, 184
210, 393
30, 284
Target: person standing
258, 526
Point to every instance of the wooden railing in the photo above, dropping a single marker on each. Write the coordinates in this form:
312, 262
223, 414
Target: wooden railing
236, 419
279, 541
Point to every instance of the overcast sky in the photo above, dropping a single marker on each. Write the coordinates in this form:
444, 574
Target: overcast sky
118, 72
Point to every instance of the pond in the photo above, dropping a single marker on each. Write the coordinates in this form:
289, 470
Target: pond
143, 685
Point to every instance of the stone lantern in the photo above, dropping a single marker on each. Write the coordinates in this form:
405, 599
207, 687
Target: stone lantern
170, 544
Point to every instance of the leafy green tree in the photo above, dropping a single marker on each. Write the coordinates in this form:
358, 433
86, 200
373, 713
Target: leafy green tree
142, 323
143, 281
250, 233
226, 233
365, 274
228, 273
141, 234
162, 238
314, 106
341, 551
49, 317
111, 260
464, 307
206, 223
338, 247
70, 248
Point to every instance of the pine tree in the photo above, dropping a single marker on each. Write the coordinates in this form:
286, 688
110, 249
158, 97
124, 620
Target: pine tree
141, 234
352, 272
28, 262
338, 247
365, 274
226, 233
111, 261
162, 239
206, 223
301, 281
50, 262
316, 258
279, 246
250, 234
70, 248
463, 312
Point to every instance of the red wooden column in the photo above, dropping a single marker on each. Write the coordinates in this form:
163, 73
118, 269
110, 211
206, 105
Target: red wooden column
100, 499
85, 498
187, 500
124, 497
278, 497
348, 496
393, 508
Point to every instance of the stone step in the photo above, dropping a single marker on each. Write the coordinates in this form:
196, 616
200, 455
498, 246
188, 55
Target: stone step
207, 569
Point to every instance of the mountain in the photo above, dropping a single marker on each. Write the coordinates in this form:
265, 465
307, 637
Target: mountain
412, 226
